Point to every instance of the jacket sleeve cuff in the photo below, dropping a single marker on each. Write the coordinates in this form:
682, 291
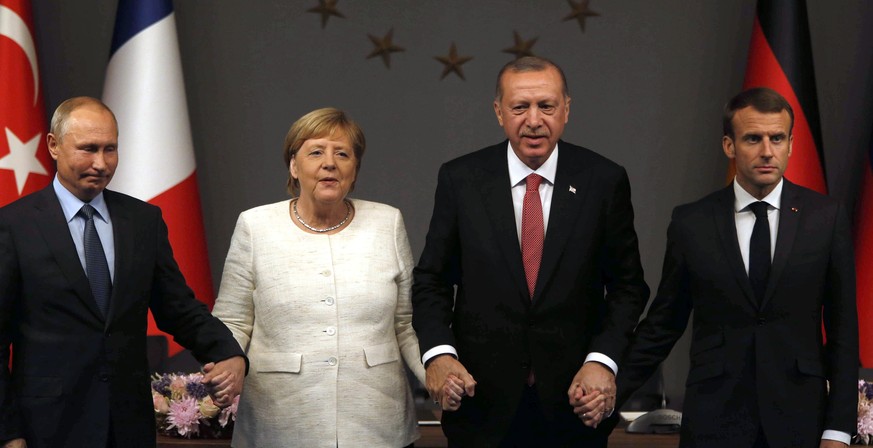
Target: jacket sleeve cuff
438, 350
839, 436
603, 359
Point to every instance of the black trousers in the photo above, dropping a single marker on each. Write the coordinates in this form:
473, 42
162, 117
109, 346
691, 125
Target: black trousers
531, 429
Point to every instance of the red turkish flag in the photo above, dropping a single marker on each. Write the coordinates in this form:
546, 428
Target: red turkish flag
25, 164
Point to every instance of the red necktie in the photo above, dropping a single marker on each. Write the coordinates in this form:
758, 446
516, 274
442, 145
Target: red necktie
532, 231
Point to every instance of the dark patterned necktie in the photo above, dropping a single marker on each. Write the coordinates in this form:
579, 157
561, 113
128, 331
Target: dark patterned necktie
95, 261
532, 231
759, 250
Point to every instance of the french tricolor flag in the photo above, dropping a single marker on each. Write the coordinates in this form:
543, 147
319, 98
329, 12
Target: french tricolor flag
145, 88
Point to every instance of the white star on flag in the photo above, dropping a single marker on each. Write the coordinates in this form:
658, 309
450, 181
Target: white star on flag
22, 158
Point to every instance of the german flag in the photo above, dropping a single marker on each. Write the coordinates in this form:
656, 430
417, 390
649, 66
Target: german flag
864, 262
780, 57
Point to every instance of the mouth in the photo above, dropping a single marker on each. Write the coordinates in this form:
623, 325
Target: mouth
534, 139
329, 180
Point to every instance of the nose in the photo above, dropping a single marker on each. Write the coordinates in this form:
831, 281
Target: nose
329, 161
99, 161
534, 118
767, 148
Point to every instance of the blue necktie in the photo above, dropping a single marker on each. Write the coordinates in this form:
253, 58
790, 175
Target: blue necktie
95, 261
759, 250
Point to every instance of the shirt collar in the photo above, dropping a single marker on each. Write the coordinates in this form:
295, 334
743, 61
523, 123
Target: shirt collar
743, 198
71, 205
518, 171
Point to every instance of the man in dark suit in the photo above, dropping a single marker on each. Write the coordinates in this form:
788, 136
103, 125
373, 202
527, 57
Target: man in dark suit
537, 236
79, 268
760, 263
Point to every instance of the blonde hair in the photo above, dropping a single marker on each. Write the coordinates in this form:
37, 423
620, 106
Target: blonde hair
322, 123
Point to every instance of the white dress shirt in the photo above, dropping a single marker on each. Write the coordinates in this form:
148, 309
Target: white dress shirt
71, 205
745, 218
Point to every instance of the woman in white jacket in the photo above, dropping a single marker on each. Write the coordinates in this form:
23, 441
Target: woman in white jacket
316, 290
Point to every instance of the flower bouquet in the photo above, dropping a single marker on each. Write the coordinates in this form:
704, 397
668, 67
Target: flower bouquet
865, 414
184, 408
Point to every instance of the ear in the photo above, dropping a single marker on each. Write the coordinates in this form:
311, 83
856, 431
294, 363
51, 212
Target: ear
727, 144
790, 144
566, 109
52, 144
498, 112
293, 168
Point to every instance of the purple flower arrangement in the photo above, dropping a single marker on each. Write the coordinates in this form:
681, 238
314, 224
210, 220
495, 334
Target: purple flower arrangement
865, 414
184, 408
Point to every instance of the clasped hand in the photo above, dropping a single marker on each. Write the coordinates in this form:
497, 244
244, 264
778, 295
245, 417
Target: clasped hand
592, 393
448, 382
225, 378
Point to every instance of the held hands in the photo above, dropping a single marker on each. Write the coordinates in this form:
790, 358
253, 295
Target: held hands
826, 443
15, 443
448, 382
226, 378
453, 393
592, 393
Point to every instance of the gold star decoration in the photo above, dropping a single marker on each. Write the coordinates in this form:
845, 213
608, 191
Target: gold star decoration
384, 47
326, 8
522, 47
453, 62
580, 12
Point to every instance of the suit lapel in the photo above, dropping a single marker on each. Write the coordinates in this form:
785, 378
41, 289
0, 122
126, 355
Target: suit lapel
54, 228
725, 220
789, 220
496, 193
124, 237
564, 211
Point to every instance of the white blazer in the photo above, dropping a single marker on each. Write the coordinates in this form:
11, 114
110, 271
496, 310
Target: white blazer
324, 321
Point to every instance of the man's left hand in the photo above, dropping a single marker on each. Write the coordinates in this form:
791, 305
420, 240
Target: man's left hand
593, 378
826, 443
226, 378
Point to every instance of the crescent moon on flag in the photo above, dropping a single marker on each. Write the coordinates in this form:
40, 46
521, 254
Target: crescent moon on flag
14, 28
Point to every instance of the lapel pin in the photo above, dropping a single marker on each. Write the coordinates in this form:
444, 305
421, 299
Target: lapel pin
572, 189
794, 209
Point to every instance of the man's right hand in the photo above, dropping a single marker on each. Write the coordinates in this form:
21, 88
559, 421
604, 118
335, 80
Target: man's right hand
15, 443
438, 371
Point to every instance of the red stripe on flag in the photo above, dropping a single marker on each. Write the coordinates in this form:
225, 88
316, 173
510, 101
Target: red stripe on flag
22, 114
181, 209
763, 70
864, 268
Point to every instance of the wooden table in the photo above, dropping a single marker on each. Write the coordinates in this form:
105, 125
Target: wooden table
172, 442
432, 437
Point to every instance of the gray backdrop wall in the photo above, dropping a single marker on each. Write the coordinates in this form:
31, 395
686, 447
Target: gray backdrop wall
648, 80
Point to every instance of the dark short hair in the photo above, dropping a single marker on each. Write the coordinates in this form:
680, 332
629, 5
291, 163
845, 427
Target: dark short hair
530, 64
61, 117
322, 123
762, 99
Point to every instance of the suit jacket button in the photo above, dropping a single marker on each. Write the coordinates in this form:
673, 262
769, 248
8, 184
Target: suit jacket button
761, 321
525, 365
103, 378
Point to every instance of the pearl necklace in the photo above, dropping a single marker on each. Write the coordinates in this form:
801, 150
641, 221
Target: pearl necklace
328, 229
